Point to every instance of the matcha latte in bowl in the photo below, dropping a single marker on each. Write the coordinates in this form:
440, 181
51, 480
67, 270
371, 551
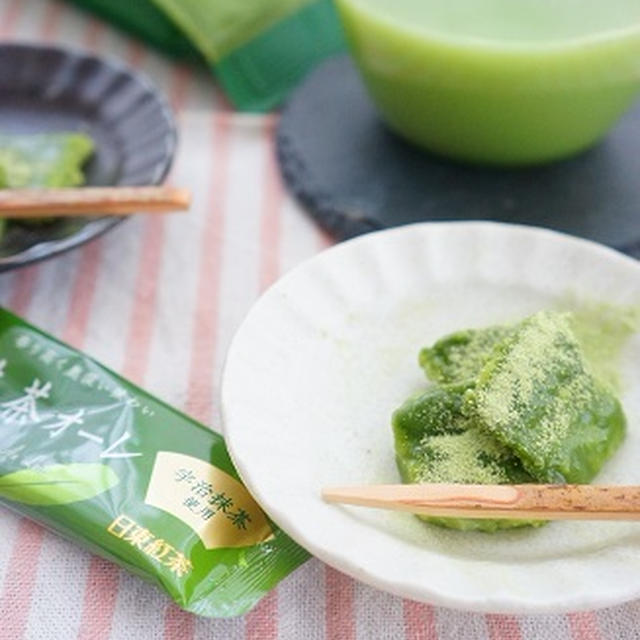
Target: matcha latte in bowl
511, 82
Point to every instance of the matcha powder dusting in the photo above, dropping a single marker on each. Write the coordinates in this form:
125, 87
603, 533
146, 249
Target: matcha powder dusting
602, 331
536, 393
528, 402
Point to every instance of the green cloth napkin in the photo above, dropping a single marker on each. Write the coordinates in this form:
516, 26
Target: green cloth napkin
258, 49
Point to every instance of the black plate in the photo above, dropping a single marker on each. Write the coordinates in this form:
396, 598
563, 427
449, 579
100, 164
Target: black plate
354, 175
46, 89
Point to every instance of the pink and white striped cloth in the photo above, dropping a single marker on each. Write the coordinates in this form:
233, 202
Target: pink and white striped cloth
158, 299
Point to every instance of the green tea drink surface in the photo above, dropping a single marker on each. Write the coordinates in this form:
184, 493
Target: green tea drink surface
498, 81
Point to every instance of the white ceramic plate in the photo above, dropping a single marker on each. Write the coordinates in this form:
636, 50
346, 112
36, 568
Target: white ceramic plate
330, 351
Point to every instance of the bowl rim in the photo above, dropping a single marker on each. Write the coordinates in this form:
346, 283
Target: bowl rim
495, 46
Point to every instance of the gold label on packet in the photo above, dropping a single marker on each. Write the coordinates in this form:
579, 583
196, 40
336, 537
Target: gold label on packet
215, 505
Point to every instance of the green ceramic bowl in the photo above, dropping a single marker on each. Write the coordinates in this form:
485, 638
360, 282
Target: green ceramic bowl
498, 81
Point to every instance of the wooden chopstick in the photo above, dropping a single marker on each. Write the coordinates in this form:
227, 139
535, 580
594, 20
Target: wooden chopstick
91, 201
529, 501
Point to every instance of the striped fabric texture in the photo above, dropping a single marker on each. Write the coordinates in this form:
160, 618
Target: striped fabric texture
158, 300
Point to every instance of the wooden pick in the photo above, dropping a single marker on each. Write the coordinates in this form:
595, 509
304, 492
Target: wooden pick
527, 501
21, 204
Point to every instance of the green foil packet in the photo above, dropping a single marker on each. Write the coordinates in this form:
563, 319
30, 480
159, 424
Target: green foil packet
103, 463
258, 49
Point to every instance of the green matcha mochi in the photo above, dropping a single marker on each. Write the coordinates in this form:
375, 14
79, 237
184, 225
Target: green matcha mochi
436, 442
47, 160
511, 404
537, 395
458, 358
43, 160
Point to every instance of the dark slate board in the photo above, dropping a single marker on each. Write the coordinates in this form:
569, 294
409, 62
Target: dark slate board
354, 175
